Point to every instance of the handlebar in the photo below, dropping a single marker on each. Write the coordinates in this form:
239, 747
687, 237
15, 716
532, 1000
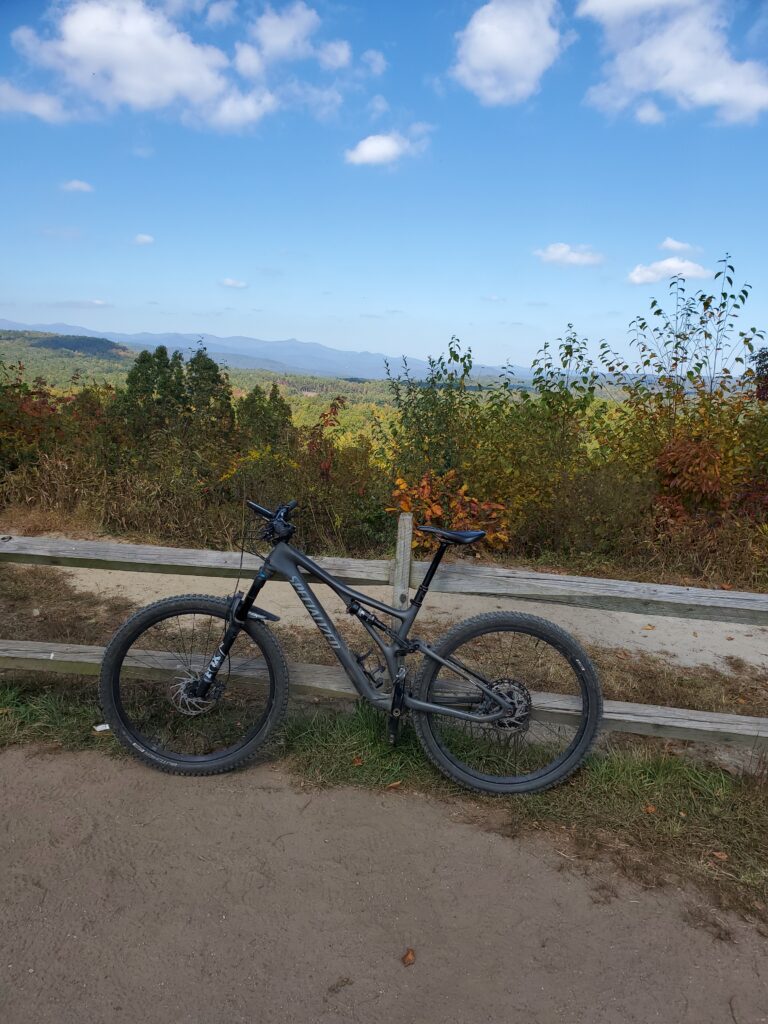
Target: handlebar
260, 510
278, 525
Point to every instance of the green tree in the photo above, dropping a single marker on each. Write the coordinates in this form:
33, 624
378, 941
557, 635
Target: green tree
264, 419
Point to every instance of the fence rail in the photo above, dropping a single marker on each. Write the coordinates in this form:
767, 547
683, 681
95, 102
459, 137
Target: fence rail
401, 574
452, 578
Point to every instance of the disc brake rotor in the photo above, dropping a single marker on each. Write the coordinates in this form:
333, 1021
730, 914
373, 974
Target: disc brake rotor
184, 701
517, 694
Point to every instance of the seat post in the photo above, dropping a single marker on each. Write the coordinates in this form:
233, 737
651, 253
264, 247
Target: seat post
421, 593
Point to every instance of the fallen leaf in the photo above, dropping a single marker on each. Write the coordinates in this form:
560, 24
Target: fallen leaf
649, 627
726, 586
394, 785
683, 814
357, 761
730, 638
695, 633
409, 956
622, 654
719, 855
650, 808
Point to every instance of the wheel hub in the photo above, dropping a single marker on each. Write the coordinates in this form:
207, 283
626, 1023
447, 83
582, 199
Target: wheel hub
517, 694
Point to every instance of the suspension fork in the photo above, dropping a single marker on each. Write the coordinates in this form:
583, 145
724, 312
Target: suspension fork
236, 620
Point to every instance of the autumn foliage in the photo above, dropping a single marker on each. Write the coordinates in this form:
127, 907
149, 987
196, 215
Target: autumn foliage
653, 465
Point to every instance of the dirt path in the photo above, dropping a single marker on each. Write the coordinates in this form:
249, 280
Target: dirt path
131, 896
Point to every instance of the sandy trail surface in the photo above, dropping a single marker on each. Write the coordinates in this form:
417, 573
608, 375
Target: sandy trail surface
686, 641
134, 896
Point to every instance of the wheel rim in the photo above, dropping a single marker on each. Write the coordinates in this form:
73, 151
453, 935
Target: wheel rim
549, 713
153, 698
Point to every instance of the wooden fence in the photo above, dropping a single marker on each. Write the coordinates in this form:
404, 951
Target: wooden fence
403, 574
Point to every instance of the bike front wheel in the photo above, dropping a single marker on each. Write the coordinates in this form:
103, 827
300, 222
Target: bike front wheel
549, 683
147, 687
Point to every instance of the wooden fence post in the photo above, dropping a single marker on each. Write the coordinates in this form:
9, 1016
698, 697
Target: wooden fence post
401, 576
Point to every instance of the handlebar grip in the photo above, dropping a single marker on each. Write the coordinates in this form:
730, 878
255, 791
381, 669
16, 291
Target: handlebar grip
291, 506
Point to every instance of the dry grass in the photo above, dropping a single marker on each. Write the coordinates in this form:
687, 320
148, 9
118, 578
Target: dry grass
626, 675
39, 603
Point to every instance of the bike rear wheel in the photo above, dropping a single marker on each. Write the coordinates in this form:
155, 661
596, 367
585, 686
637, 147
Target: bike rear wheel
147, 696
546, 677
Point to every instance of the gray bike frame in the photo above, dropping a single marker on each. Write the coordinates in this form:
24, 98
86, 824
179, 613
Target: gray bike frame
288, 561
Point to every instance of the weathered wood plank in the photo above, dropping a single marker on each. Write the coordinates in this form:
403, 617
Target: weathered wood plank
79, 659
589, 592
401, 571
331, 681
483, 580
174, 561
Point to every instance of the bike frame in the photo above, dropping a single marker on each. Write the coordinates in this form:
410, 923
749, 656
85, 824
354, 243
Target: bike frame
287, 561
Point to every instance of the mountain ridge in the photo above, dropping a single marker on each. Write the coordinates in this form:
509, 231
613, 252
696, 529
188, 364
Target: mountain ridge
288, 355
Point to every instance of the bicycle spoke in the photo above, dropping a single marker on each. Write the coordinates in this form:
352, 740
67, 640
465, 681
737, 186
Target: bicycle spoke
170, 656
520, 668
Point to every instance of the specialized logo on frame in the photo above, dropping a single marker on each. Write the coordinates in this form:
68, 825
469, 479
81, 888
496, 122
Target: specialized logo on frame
315, 612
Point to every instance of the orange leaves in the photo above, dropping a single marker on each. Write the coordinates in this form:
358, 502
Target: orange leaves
408, 959
441, 500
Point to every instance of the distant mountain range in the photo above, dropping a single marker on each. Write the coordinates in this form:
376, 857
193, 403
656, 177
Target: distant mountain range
288, 356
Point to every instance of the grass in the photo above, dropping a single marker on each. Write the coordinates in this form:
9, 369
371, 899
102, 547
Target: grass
59, 713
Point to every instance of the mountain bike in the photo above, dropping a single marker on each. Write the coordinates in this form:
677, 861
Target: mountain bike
502, 703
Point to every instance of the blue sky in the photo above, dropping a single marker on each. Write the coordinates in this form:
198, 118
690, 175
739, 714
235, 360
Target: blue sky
378, 176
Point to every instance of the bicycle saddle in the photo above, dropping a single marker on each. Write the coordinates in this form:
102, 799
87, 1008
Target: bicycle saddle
453, 536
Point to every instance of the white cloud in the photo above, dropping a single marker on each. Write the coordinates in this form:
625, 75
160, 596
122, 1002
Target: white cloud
377, 107
75, 185
238, 109
83, 304
678, 49
144, 239
232, 282
108, 54
388, 149
648, 112
506, 47
37, 104
672, 245
124, 52
286, 35
220, 13
652, 272
248, 61
569, 255
335, 55
375, 61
